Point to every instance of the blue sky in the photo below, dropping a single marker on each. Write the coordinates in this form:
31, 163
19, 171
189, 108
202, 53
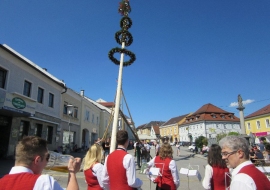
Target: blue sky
189, 52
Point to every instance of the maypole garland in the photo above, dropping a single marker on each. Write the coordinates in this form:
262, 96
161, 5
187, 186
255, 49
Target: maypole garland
123, 35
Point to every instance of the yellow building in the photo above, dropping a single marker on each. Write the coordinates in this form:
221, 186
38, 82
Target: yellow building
170, 128
258, 122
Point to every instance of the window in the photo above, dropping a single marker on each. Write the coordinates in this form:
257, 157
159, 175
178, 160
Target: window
87, 116
75, 115
38, 130
267, 123
175, 130
3, 76
40, 95
49, 134
27, 88
258, 124
248, 126
65, 108
51, 99
93, 118
97, 120
24, 129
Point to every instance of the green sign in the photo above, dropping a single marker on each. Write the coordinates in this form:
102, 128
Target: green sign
18, 103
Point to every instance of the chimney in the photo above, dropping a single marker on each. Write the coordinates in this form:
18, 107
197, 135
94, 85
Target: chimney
82, 93
44, 69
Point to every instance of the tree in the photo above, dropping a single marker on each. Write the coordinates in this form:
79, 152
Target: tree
200, 141
222, 135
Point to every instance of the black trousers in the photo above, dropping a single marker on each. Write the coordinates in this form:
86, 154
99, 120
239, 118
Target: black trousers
139, 160
158, 188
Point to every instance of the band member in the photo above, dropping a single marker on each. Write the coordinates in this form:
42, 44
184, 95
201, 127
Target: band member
119, 168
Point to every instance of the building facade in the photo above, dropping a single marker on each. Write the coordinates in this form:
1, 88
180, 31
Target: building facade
170, 128
258, 122
69, 132
208, 121
28, 101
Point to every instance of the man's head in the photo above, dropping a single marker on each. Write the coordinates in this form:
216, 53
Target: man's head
122, 138
235, 150
32, 153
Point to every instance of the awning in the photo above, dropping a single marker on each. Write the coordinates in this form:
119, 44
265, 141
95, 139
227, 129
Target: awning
261, 134
146, 137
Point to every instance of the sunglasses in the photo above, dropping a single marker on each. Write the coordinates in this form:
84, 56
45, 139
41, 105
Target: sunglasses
48, 157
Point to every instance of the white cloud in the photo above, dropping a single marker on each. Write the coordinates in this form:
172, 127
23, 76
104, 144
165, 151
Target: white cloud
245, 102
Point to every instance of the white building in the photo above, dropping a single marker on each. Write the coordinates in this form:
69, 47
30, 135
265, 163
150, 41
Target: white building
208, 121
29, 101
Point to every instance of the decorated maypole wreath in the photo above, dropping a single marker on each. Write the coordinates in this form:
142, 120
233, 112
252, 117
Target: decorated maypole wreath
124, 38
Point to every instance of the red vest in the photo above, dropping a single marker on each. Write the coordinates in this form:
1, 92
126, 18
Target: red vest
261, 181
116, 171
165, 181
218, 178
91, 180
20, 181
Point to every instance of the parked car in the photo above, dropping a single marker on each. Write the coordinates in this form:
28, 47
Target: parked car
185, 143
192, 147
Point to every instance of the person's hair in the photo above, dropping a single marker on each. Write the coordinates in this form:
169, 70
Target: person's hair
93, 155
121, 137
165, 139
28, 148
235, 143
165, 151
214, 157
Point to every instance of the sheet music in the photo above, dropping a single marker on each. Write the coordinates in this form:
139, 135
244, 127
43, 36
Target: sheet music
154, 171
183, 171
191, 173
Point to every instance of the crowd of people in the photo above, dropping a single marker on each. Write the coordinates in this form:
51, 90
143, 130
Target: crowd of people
229, 165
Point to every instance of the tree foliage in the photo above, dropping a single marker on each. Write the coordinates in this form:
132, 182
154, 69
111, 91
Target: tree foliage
200, 141
222, 135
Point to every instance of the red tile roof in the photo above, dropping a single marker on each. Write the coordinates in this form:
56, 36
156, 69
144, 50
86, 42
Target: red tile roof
209, 112
262, 111
156, 129
175, 120
107, 104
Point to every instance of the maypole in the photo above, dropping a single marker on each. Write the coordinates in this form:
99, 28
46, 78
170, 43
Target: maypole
123, 38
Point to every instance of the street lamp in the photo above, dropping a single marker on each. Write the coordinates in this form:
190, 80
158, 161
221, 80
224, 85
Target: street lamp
69, 112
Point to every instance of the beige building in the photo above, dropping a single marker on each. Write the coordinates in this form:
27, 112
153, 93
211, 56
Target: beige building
69, 132
170, 128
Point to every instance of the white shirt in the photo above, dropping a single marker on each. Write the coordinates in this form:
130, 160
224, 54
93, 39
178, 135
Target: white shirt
147, 146
242, 181
44, 182
97, 171
206, 183
129, 165
173, 168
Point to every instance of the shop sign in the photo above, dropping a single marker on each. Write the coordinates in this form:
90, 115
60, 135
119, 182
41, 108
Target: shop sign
18, 103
